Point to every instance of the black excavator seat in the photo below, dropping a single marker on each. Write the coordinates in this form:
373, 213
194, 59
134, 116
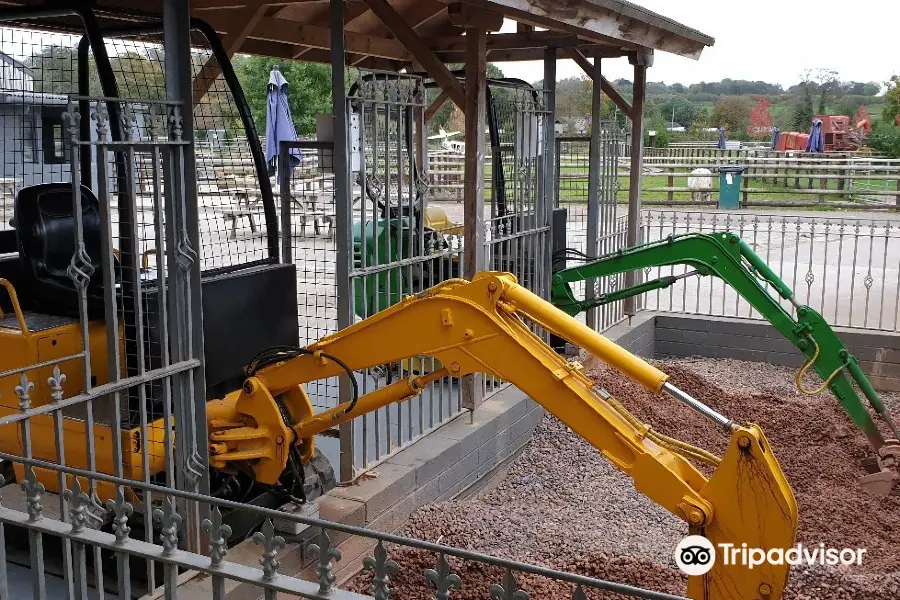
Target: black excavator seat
46, 237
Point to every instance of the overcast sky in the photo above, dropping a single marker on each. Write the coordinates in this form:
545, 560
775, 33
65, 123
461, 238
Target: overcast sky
766, 40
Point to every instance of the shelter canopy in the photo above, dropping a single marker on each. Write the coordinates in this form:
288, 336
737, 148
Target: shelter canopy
394, 34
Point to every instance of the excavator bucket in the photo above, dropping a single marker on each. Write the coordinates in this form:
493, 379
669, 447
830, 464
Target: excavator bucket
754, 507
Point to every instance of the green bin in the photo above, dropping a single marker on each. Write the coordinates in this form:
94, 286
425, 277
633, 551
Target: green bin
730, 186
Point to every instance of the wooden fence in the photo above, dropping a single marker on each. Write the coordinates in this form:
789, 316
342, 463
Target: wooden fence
775, 179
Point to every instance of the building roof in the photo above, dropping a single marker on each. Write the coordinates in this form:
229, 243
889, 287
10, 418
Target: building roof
299, 29
16, 64
21, 97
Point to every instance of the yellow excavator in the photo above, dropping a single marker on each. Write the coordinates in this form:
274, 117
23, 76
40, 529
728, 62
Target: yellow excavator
480, 326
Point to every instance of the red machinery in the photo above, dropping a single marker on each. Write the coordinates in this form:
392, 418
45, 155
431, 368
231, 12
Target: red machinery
837, 131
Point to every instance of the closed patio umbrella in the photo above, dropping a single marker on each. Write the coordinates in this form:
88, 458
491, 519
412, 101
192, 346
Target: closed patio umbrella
815, 143
279, 124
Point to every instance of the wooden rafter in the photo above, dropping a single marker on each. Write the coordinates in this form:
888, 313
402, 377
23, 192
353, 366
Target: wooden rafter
508, 41
353, 12
419, 50
608, 88
241, 24
234, 4
435, 107
520, 54
416, 16
272, 29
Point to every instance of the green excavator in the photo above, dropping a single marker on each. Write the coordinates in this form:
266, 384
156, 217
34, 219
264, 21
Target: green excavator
728, 257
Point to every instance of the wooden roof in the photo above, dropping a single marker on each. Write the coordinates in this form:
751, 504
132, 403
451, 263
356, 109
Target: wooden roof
299, 29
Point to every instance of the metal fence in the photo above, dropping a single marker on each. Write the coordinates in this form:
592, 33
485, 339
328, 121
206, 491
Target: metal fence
110, 352
392, 253
846, 268
103, 560
586, 186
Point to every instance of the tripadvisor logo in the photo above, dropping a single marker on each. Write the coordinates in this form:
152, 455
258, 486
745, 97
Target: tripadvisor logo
696, 555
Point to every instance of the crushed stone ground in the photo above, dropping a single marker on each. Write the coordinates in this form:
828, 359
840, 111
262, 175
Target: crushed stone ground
562, 505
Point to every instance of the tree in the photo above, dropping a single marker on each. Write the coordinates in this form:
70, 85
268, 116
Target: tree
892, 100
55, 71
828, 84
760, 119
308, 91
732, 113
654, 121
139, 75
886, 138
803, 109
685, 111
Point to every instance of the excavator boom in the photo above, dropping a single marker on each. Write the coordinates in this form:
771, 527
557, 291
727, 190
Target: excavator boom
480, 326
728, 257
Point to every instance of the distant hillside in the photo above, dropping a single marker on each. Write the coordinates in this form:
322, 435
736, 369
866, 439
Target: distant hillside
729, 102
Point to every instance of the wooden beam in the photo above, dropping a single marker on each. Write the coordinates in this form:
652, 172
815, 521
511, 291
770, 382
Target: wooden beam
608, 88
226, 4
473, 183
242, 23
419, 50
632, 233
508, 41
524, 27
435, 107
522, 54
291, 32
469, 15
317, 55
352, 13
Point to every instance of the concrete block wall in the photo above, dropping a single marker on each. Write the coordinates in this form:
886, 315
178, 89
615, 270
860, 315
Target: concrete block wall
683, 335
638, 336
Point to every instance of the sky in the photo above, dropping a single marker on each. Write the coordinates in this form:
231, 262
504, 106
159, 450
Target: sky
765, 40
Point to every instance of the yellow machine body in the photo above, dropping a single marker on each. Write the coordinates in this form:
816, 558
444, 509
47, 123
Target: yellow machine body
31, 338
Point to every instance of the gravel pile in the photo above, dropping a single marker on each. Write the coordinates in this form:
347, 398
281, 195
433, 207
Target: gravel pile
562, 505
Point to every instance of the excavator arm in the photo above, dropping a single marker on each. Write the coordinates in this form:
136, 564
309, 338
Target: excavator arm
479, 326
728, 257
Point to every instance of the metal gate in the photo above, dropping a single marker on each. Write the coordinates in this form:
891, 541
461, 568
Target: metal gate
394, 253
587, 186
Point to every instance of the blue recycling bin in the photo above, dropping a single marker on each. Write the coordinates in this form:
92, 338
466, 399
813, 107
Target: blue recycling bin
730, 177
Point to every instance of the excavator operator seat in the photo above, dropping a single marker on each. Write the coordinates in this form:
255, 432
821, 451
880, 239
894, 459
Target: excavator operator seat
46, 233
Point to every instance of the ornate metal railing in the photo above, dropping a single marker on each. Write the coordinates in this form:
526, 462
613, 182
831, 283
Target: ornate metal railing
169, 552
847, 268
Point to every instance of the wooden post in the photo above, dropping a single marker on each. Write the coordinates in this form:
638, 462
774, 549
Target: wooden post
473, 181
670, 196
897, 197
593, 196
842, 183
746, 184
632, 237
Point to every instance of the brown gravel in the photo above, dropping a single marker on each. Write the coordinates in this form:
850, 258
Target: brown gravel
562, 505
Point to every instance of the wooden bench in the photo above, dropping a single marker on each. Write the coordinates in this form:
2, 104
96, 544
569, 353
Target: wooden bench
244, 199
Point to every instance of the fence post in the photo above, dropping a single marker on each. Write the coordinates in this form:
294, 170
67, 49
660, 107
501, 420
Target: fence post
746, 184
671, 183
897, 197
843, 173
558, 238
